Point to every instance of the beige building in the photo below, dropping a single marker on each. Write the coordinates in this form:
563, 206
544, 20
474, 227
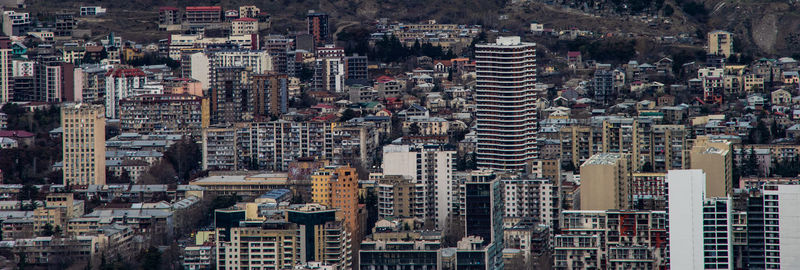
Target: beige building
253, 185
715, 158
244, 26
59, 208
84, 144
605, 182
720, 43
400, 197
781, 97
266, 246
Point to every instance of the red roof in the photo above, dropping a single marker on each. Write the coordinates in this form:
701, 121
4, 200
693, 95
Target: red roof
245, 19
384, 78
167, 8
15, 134
573, 54
126, 72
204, 8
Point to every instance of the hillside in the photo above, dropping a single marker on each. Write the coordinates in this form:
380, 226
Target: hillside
762, 27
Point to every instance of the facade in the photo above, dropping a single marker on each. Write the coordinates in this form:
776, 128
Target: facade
318, 26
605, 182
431, 167
772, 236
720, 43
611, 239
323, 238
219, 149
693, 244
270, 95
244, 26
399, 197
337, 187
506, 113
534, 199
483, 219
603, 86
120, 83
715, 158
154, 113
84, 144
229, 95
329, 74
267, 245
203, 15
355, 67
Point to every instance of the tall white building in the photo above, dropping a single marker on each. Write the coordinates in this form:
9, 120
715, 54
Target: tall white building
699, 229
204, 63
506, 97
432, 167
781, 230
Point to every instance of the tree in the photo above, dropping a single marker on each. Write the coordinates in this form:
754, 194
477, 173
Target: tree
28, 192
224, 201
160, 173
48, 230
151, 259
413, 129
668, 11
347, 115
752, 163
185, 157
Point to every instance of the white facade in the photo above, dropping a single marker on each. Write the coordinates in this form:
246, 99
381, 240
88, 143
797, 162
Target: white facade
686, 192
782, 233
505, 92
22, 68
693, 243
204, 63
431, 167
119, 86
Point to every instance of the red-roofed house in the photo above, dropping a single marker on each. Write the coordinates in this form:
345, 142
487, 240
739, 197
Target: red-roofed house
201, 15
574, 59
22, 137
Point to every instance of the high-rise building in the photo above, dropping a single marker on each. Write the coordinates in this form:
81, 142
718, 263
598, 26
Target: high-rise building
219, 149
120, 83
483, 208
429, 166
84, 144
250, 245
400, 197
699, 228
532, 199
6, 71
772, 236
606, 182
715, 158
337, 187
229, 91
324, 239
318, 26
506, 98
329, 74
270, 95
171, 113
720, 43
603, 86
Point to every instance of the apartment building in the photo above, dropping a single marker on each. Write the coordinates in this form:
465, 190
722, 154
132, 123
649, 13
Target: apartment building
534, 200
169, 113
202, 14
337, 187
720, 43
120, 84
430, 166
715, 158
400, 197
700, 228
84, 152
318, 26
611, 239
219, 149
506, 113
244, 26
606, 182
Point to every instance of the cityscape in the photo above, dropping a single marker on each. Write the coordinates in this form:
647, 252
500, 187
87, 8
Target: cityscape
399, 134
